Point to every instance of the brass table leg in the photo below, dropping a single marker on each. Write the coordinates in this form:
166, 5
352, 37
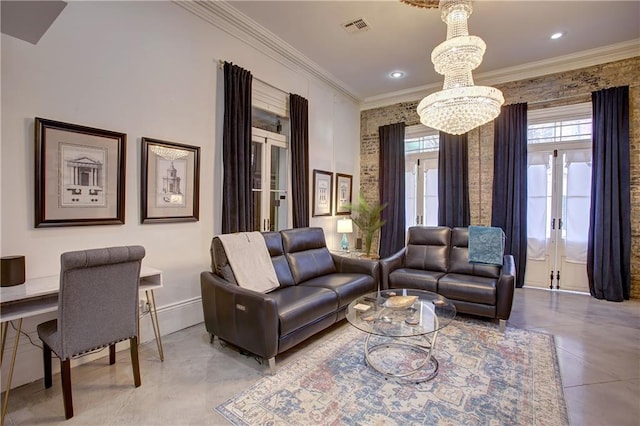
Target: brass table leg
154, 321
5, 327
13, 363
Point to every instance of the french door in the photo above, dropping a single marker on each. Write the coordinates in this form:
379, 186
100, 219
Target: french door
270, 180
421, 189
559, 188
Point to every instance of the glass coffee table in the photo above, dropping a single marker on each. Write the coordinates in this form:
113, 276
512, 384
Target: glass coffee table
402, 327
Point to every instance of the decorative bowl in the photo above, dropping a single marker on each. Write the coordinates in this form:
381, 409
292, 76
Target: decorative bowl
400, 302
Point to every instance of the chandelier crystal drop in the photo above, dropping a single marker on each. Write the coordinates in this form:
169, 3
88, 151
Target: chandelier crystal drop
460, 106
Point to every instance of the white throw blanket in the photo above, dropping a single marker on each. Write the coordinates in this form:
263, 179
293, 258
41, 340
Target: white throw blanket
249, 259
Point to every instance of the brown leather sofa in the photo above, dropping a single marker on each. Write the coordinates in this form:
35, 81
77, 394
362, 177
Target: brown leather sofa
436, 259
315, 288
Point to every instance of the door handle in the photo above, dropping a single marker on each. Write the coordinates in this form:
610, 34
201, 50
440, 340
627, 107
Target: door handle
553, 223
560, 223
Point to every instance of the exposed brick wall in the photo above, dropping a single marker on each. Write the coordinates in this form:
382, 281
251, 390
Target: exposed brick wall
541, 92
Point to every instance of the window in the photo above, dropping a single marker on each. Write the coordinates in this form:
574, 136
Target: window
421, 175
559, 195
559, 131
270, 180
270, 163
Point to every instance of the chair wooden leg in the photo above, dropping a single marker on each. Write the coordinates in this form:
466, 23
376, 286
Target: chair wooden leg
46, 359
135, 364
65, 370
112, 354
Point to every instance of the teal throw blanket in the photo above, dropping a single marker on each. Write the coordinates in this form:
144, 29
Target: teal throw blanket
486, 245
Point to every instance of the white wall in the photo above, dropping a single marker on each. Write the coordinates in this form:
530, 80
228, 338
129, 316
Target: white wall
146, 69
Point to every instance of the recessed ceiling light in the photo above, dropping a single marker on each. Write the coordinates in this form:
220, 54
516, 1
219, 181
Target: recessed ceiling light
556, 36
396, 74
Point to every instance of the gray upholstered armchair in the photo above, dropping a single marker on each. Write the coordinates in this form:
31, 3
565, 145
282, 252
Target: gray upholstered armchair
97, 307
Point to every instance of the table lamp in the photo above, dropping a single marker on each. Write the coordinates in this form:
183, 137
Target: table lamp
345, 226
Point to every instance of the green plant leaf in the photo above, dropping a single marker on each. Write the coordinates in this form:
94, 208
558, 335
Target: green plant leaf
366, 216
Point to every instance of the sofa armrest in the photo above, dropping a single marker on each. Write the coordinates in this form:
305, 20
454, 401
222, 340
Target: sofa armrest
506, 288
354, 265
245, 318
390, 264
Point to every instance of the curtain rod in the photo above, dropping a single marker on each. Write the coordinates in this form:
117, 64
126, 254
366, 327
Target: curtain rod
221, 66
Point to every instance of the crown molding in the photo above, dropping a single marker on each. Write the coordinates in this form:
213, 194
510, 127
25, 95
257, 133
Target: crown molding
225, 17
586, 58
573, 61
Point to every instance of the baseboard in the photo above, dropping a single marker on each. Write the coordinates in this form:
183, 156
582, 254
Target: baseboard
28, 368
172, 318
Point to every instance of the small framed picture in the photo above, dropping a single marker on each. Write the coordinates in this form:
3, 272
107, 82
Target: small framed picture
322, 193
343, 194
170, 182
79, 175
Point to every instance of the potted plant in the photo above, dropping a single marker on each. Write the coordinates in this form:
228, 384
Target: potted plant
368, 220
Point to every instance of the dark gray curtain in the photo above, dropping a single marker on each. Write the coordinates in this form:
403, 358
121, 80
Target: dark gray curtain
509, 209
391, 187
453, 181
237, 203
609, 244
299, 110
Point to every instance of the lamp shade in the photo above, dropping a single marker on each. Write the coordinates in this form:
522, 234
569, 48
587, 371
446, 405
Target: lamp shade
345, 226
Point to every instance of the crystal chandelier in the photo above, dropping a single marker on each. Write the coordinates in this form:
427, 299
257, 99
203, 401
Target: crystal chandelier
459, 106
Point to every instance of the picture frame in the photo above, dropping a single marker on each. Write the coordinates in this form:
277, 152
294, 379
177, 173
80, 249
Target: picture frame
79, 175
170, 182
322, 193
344, 187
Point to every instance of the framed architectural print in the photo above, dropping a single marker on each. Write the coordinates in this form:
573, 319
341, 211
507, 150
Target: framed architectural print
322, 193
79, 175
343, 194
170, 182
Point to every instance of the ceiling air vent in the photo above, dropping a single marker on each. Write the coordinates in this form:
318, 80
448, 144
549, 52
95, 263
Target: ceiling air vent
356, 26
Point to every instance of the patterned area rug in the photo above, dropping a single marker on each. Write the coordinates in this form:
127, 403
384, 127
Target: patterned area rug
485, 378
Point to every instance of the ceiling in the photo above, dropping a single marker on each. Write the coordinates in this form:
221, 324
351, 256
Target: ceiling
401, 37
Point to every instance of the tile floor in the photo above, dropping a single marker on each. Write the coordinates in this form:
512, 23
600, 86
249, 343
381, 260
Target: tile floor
598, 345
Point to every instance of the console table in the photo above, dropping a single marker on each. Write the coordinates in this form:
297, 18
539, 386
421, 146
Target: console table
40, 295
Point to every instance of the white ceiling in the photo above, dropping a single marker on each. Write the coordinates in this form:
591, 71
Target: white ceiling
401, 37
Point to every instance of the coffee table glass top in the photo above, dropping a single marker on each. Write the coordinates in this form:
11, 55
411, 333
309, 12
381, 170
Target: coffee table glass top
375, 313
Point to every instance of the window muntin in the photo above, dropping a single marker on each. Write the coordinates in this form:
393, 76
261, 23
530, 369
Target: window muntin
560, 131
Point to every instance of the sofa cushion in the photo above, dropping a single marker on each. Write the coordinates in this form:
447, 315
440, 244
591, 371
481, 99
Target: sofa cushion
414, 278
428, 248
347, 286
459, 261
468, 288
307, 253
299, 306
279, 260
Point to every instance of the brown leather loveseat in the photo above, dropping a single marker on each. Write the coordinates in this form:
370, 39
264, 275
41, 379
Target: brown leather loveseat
436, 259
315, 287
